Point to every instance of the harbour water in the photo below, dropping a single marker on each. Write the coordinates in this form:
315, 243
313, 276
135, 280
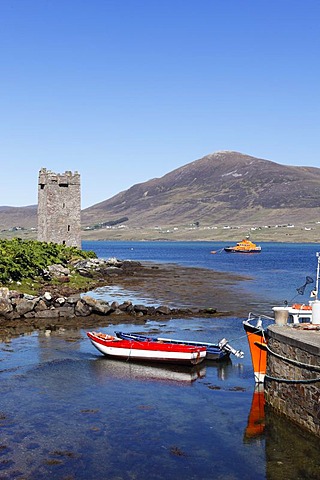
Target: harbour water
67, 413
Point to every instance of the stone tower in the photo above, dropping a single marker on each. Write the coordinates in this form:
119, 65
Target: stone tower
59, 208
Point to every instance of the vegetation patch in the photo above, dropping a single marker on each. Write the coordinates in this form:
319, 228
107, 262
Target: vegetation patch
24, 261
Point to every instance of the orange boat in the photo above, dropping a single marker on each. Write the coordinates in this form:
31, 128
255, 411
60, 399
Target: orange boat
256, 328
304, 316
257, 344
245, 246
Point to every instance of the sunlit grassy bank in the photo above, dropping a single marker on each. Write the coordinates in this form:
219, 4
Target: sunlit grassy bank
297, 233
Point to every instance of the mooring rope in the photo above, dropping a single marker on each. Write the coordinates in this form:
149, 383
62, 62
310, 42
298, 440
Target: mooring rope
307, 366
285, 380
294, 362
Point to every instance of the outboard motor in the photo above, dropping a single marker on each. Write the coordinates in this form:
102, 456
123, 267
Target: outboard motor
224, 345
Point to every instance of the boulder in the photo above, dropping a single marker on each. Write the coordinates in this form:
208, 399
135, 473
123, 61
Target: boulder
97, 306
23, 305
125, 305
163, 310
66, 312
85, 273
60, 301
52, 313
4, 292
82, 309
141, 309
41, 306
73, 299
58, 270
5, 307
47, 297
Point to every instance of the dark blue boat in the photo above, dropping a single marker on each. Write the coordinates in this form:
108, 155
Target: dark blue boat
216, 352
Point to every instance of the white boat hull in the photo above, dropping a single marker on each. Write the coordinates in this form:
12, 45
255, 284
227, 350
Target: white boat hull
127, 350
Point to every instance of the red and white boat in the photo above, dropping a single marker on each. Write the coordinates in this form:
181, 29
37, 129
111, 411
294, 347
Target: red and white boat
147, 351
215, 351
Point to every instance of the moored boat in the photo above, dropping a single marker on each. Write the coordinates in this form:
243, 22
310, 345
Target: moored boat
146, 351
245, 246
298, 315
217, 352
257, 339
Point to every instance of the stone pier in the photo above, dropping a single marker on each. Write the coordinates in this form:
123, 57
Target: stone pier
293, 367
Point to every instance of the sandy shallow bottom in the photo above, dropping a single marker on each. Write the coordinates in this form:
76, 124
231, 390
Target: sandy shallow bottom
191, 287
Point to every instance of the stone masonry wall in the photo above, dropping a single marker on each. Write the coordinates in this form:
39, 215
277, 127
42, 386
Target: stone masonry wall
289, 386
59, 208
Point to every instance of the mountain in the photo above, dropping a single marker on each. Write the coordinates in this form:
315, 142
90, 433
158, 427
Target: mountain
223, 187
25, 217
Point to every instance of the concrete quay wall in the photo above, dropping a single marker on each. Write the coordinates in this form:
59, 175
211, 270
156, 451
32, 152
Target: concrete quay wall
293, 366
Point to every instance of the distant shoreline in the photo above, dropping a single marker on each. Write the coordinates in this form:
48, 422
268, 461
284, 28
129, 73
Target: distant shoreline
287, 233
280, 235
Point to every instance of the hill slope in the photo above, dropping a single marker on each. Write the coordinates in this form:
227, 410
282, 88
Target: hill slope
220, 188
25, 217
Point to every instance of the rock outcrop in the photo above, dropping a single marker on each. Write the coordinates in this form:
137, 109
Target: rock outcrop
15, 305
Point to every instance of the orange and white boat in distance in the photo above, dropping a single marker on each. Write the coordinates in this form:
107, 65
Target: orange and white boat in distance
245, 246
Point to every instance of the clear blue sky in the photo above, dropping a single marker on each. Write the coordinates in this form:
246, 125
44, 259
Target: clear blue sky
128, 90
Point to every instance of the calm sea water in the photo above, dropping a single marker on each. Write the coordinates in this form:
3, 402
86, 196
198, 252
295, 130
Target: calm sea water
275, 274
66, 412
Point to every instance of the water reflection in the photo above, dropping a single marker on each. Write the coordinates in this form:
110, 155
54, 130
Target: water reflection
106, 369
64, 408
256, 420
111, 293
291, 452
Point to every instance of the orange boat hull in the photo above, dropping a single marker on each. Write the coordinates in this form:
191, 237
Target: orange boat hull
258, 351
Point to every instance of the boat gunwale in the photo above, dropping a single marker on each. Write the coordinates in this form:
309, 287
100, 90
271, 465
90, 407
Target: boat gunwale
150, 346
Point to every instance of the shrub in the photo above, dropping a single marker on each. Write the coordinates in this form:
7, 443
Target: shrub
21, 259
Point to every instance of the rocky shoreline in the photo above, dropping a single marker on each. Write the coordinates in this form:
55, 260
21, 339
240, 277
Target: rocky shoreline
177, 292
